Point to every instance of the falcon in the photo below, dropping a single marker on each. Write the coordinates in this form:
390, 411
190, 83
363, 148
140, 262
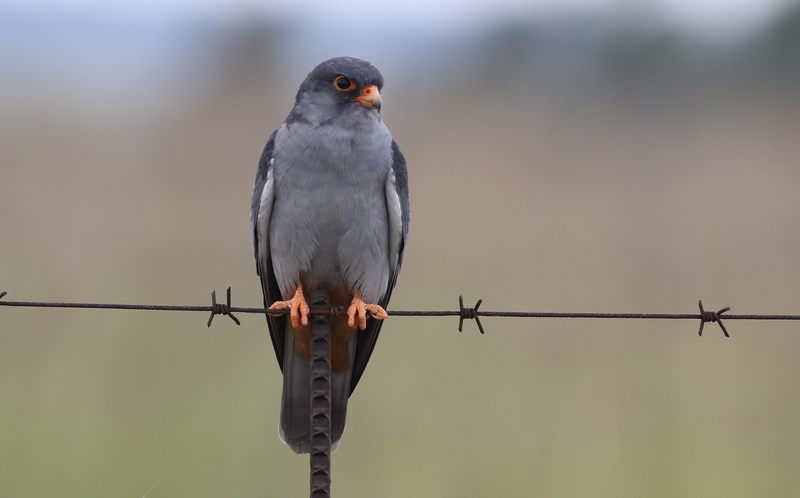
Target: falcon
330, 211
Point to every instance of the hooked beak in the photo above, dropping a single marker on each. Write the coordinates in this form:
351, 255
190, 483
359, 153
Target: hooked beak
370, 98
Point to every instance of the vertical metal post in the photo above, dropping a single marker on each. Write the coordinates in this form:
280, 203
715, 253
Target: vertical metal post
320, 409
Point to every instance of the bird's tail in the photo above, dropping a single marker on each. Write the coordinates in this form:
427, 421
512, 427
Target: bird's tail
295, 426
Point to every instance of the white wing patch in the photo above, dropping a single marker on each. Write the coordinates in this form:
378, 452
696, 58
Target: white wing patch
264, 215
395, 216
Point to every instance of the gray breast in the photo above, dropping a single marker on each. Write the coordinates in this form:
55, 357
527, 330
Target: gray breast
329, 221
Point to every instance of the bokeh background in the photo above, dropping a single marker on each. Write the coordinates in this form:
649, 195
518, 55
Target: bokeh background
590, 155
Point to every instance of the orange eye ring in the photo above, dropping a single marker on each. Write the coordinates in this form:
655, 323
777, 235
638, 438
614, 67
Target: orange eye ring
344, 84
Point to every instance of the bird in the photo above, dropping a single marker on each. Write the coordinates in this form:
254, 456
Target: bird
330, 210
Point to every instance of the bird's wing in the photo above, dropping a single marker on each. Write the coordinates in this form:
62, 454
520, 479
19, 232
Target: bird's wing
398, 214
260, 214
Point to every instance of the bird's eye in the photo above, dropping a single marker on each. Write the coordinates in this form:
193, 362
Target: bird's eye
343, 84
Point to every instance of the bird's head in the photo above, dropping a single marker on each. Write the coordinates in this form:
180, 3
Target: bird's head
342, 87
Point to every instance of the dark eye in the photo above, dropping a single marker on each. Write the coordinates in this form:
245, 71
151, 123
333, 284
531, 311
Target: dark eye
343, 84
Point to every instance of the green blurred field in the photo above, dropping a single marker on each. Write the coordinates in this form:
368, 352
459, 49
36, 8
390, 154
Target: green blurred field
545, 204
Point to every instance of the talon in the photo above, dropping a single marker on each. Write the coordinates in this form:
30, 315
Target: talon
359, 309
297, 306
377, 312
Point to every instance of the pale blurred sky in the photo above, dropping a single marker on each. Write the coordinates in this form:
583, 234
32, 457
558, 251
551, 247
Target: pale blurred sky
697, 15
127, 51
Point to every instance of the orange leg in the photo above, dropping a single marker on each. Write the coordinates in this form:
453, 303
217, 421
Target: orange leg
297, 305
358, 309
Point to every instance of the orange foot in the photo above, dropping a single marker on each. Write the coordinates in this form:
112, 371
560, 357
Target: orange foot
358, 309
298, 308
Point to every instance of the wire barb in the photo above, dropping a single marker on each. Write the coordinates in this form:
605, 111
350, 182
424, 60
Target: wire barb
3, 294
711, 316
220, 308
469, 314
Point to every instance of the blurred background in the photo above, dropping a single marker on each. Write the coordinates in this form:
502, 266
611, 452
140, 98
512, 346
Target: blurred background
588, 155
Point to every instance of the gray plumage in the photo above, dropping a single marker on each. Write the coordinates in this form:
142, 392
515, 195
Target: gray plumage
330, 210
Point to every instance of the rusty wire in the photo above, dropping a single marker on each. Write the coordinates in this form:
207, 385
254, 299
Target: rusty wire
463, 313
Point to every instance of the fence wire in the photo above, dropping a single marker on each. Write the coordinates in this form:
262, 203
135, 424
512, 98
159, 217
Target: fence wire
463, 312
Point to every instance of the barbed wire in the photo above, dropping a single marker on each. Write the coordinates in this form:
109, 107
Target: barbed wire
463, 313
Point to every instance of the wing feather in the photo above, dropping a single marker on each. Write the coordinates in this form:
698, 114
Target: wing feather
397, 207
260, 216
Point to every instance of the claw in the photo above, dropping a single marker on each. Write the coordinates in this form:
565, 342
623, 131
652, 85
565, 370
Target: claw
359, 309
297, 306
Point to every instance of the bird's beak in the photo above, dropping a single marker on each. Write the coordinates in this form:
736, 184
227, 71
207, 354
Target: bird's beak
370, 98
